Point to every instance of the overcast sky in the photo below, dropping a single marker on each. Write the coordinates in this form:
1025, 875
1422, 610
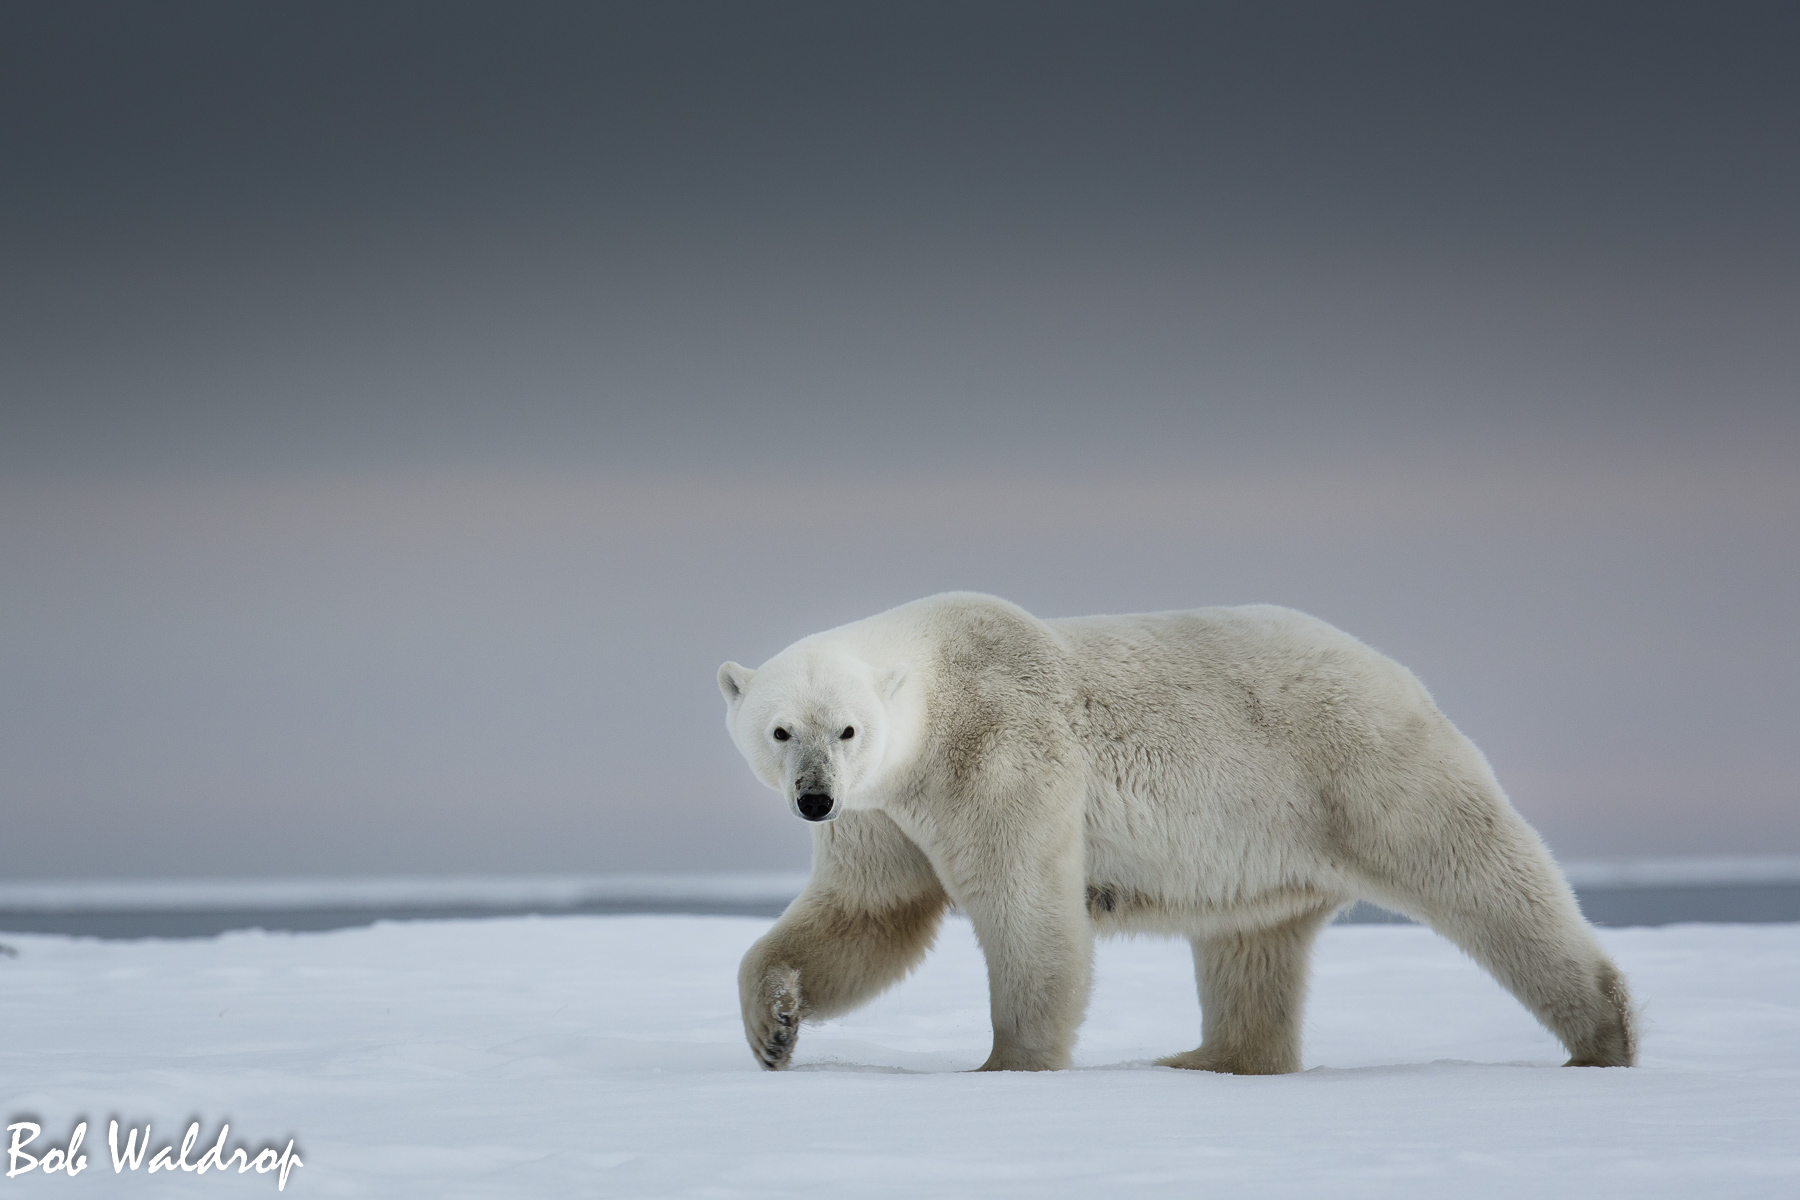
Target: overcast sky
404, 409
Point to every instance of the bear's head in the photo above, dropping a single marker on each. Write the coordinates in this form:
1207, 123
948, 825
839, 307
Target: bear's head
817, 726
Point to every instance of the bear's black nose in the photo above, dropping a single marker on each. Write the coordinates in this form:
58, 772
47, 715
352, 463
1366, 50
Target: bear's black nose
814, 806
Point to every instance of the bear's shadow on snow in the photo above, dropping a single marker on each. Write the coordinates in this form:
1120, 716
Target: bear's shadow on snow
1318, 1073
833, 1065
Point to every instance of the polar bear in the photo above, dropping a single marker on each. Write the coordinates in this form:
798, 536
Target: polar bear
1234, 776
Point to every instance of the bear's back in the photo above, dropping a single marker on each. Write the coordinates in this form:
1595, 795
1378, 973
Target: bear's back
1175, 683
1250, 675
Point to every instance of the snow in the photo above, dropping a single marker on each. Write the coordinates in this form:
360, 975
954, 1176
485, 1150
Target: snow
602, 1056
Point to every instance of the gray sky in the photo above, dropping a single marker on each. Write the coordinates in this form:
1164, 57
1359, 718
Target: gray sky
403, 409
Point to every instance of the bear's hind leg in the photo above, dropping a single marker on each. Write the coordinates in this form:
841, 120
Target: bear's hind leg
1252, 994
1536, 944
1477, 874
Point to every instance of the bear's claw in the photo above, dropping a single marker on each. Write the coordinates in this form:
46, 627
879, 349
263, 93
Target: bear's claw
781, 1004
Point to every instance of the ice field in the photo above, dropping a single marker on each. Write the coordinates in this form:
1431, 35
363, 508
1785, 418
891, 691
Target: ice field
602, 1056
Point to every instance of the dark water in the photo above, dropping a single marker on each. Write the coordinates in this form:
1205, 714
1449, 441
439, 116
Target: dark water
1757, 903
210, 922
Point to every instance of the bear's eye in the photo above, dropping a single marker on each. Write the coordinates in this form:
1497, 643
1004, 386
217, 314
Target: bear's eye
781, 735
849, 732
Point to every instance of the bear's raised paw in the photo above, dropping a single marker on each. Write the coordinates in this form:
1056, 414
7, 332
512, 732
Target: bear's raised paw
773, 1023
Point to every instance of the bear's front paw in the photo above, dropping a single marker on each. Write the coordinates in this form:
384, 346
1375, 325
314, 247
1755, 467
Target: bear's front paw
1276, 1060
772, 1022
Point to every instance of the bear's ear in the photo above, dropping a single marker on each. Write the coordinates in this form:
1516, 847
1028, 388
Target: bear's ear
733, 680
890, 681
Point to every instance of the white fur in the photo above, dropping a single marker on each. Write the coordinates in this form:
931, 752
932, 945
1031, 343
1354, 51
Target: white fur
1230, 775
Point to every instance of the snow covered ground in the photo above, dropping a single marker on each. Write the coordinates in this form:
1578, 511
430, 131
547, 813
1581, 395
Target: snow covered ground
601, 1056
